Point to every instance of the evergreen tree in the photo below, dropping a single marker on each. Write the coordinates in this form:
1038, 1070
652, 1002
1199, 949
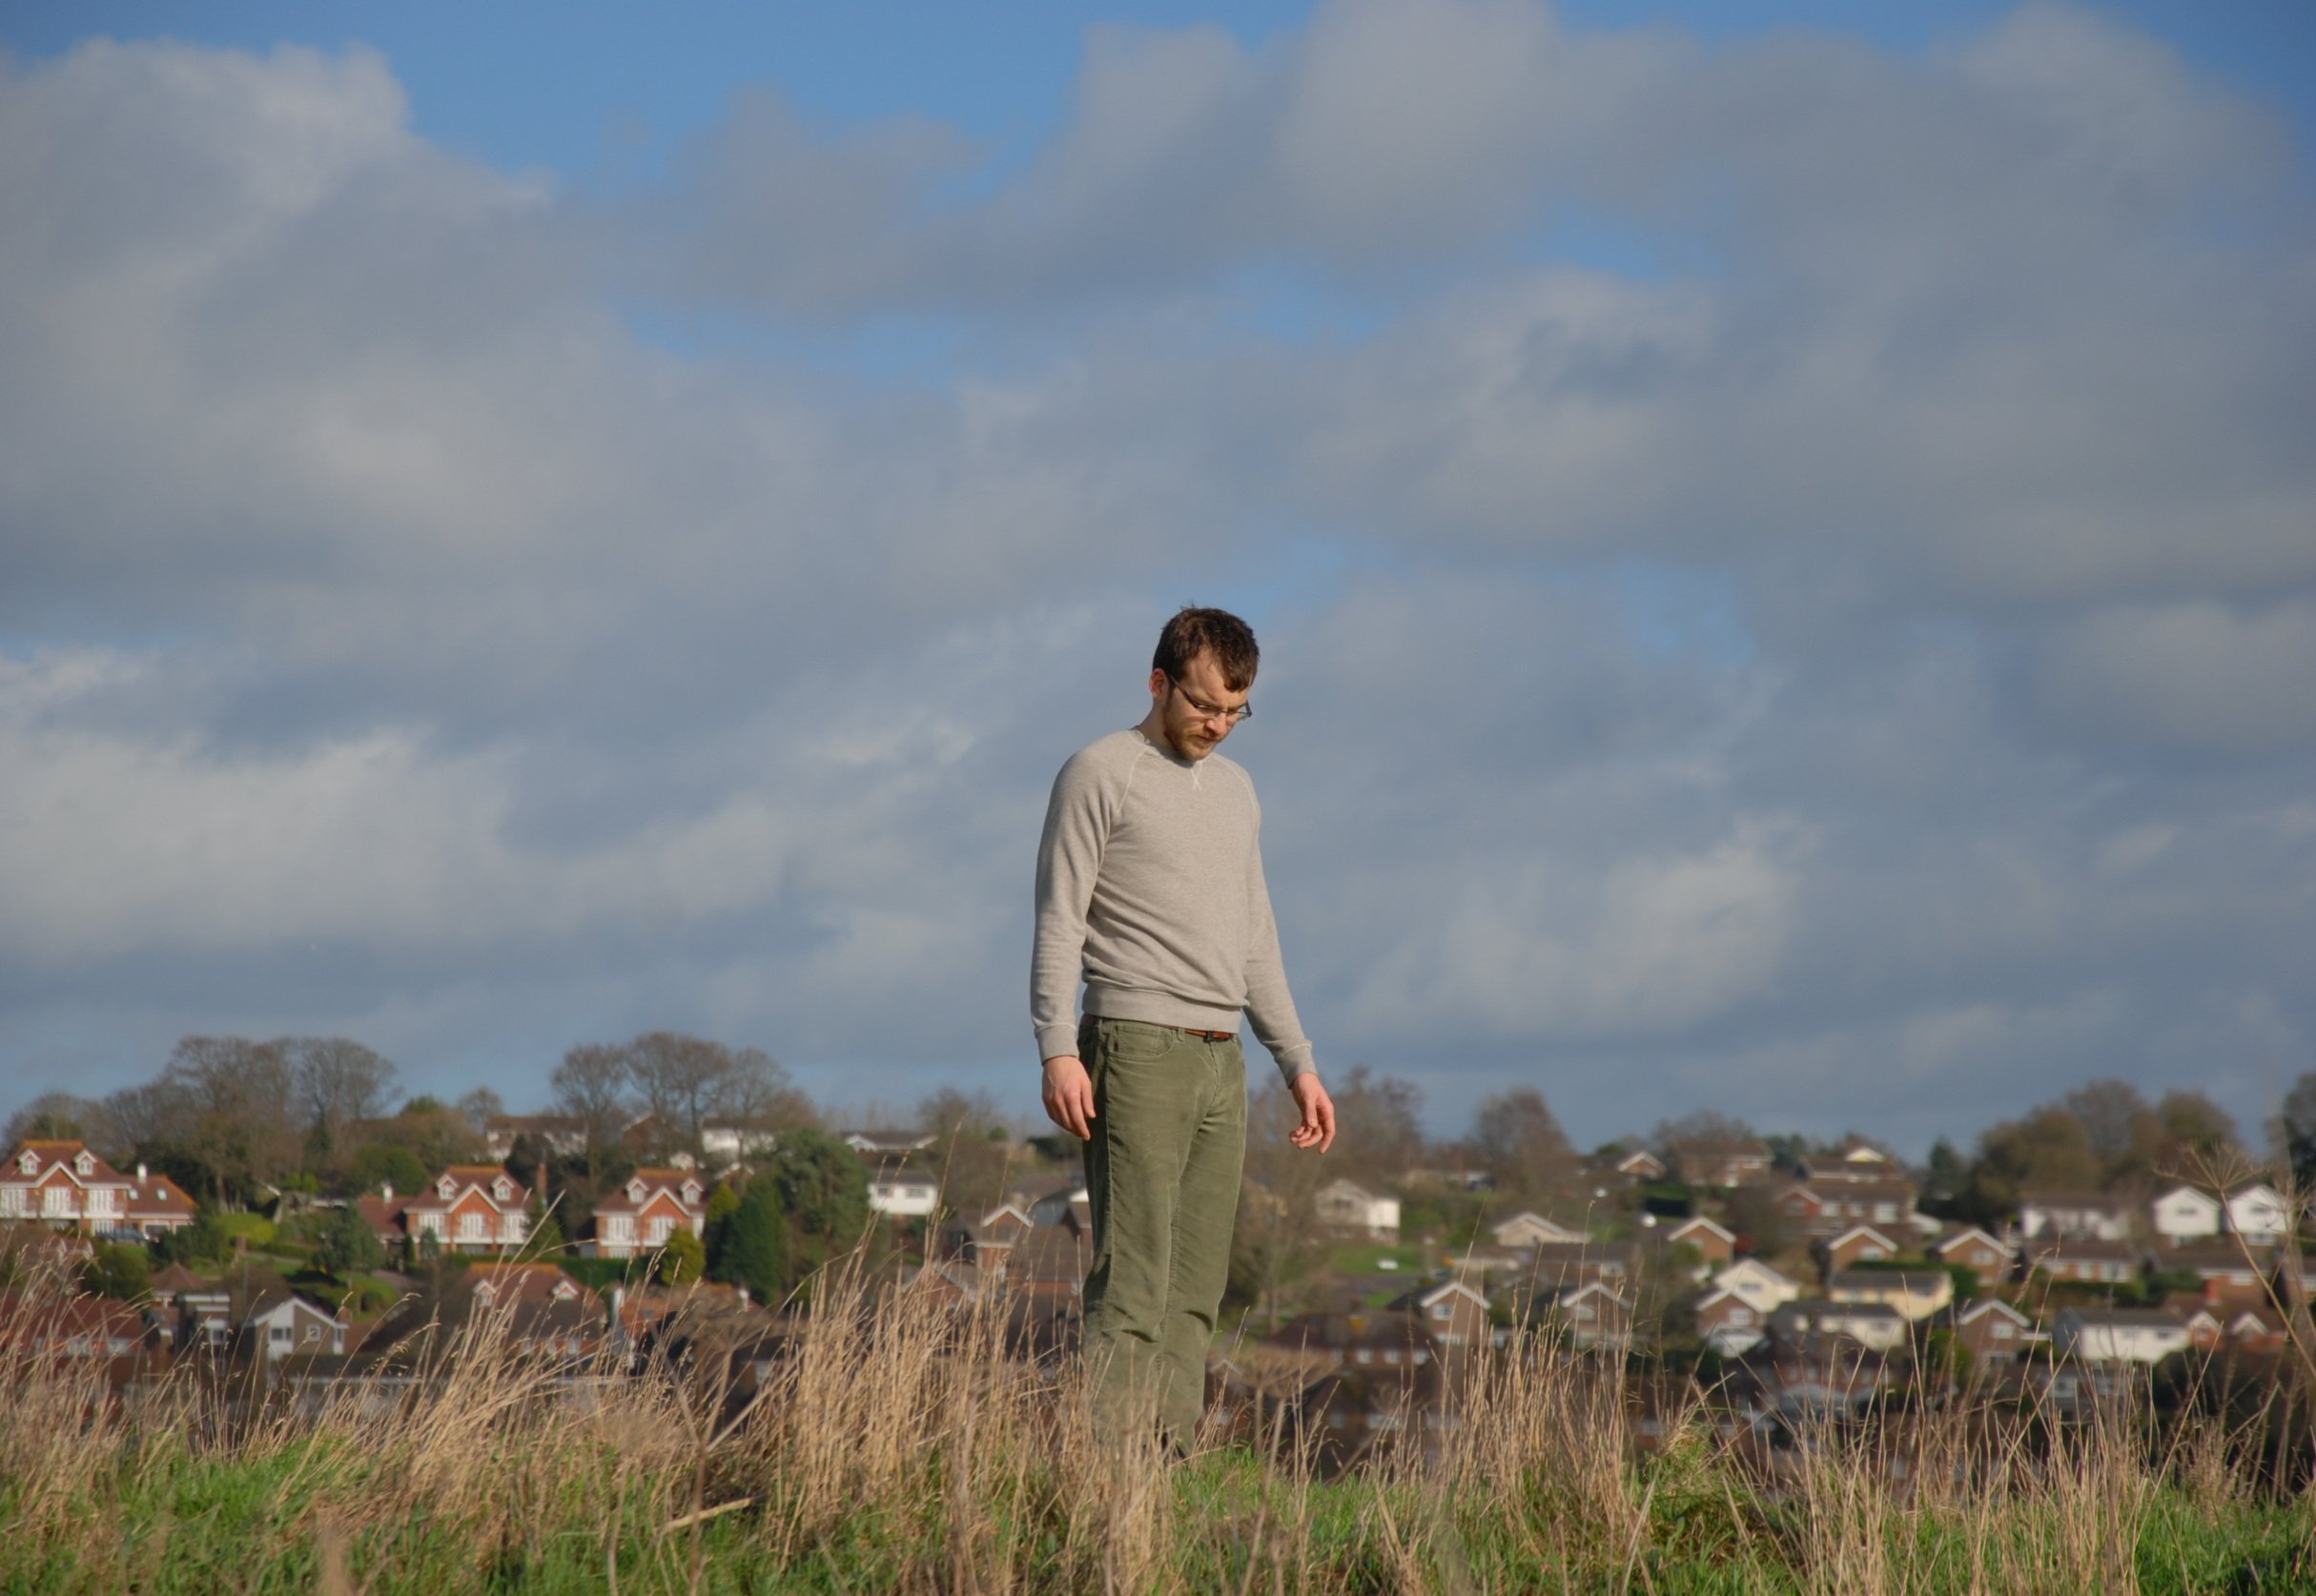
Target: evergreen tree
683, 1257
754, 1238
825, 1189
347, 1245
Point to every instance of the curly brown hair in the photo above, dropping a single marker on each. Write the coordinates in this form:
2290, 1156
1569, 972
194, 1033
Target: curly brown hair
1194, 631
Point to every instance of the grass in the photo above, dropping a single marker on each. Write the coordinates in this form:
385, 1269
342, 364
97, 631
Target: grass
1364, 1259
896, 1450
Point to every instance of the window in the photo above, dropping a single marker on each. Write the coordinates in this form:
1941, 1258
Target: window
11, 1200
1443, 1312
1364, 1356
57, 1203
278, 1334
2003, 1330
471, 1227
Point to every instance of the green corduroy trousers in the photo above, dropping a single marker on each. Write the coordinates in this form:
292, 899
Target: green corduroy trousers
1162, 1176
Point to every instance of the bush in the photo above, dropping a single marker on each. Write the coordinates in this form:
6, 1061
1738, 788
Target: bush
120, 1270
683, 1259
202, 1242
346, 1244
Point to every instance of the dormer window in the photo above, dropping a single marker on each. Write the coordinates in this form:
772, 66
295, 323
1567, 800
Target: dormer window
501, 1188
487, 1291
29, 1162
635, 1191
691, 1192
564, 1291
445, 1186
85, 1164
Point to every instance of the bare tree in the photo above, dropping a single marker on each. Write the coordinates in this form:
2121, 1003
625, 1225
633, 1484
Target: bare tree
970, 1164
479, 1107
591, 1086
1700, 1125
679, 1077
1520, 1143
2125, 1136
53, 1115
240, 1102
1378, 1134
340, 1085
151, 1116
755, 1094
1278, 1238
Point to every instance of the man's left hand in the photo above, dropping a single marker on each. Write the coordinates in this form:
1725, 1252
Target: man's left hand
1318, 1127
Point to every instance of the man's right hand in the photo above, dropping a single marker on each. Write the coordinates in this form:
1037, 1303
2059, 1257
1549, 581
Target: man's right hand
1069, 1096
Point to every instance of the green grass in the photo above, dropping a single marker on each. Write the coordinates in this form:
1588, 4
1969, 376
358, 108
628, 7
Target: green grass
256, 1229
1370, 1259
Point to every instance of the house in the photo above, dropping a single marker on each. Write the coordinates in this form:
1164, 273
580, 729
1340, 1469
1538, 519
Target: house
1064, 1204
888, 1144
1639, 1166
1849, 1198
1348, 1205
1758, 1283
1526, 1229
2257, 1331
283, 1324
1992, 1329
2090, 1262
2259, 1214
1914, 1293
1454, 1314
71, 1328
1715, 1243
1801, 1207
1729, 1324
1875, 1326
1974, 1248
1591, 1317
468, 1208
2117, 1335
1859, 1244
2225, 1271
1811, 1373
2184, 1214
903, 1193
562, 1134
2074, 1216
643, 1213
1047, 1264
1552, 1265
1720, 1161
63, 1182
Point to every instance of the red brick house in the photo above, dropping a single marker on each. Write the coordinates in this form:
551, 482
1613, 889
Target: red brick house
64, 1183
1974, 1248
1859, 1244
1715, 1242
653, 1205
1993, 1330
1713, 1161
468, 1208
2092, 1262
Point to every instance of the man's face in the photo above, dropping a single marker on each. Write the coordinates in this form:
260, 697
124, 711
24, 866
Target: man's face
1195, 712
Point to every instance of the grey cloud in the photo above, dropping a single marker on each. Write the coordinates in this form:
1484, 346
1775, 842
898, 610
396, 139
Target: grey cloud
397, 648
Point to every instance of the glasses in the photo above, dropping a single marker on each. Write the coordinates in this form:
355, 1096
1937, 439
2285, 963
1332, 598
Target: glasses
1213, 711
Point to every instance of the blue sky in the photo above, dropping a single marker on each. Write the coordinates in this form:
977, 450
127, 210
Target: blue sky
1780, 532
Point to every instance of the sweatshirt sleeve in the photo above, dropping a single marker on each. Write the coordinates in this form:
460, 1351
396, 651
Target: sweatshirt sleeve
1269, 1006
1069, 859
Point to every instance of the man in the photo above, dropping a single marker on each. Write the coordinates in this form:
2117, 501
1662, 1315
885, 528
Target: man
1150, 887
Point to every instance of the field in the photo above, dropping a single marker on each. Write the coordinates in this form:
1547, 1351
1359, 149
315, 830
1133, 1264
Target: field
896, 1448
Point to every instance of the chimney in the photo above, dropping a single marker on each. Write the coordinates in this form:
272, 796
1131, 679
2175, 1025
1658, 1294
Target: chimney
140, 1172
387, 1190
742, 1294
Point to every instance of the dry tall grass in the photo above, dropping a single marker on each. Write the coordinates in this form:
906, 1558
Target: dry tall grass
899, 1448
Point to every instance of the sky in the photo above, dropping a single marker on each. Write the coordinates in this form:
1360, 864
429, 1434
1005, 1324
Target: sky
1783, 536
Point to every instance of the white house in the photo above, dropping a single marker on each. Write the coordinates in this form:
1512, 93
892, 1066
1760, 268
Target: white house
1873, 1325
2118, 1335
903, 1194
2259, 1214
1526, 1229
1351, 1206
1729, 1324
1758, 1283
2183, 1214
283, 1325
2074, 1216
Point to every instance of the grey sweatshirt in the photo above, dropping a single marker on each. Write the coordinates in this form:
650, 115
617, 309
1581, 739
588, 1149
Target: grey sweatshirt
1150, 885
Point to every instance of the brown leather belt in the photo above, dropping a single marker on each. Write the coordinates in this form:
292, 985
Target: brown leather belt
1204, 1035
